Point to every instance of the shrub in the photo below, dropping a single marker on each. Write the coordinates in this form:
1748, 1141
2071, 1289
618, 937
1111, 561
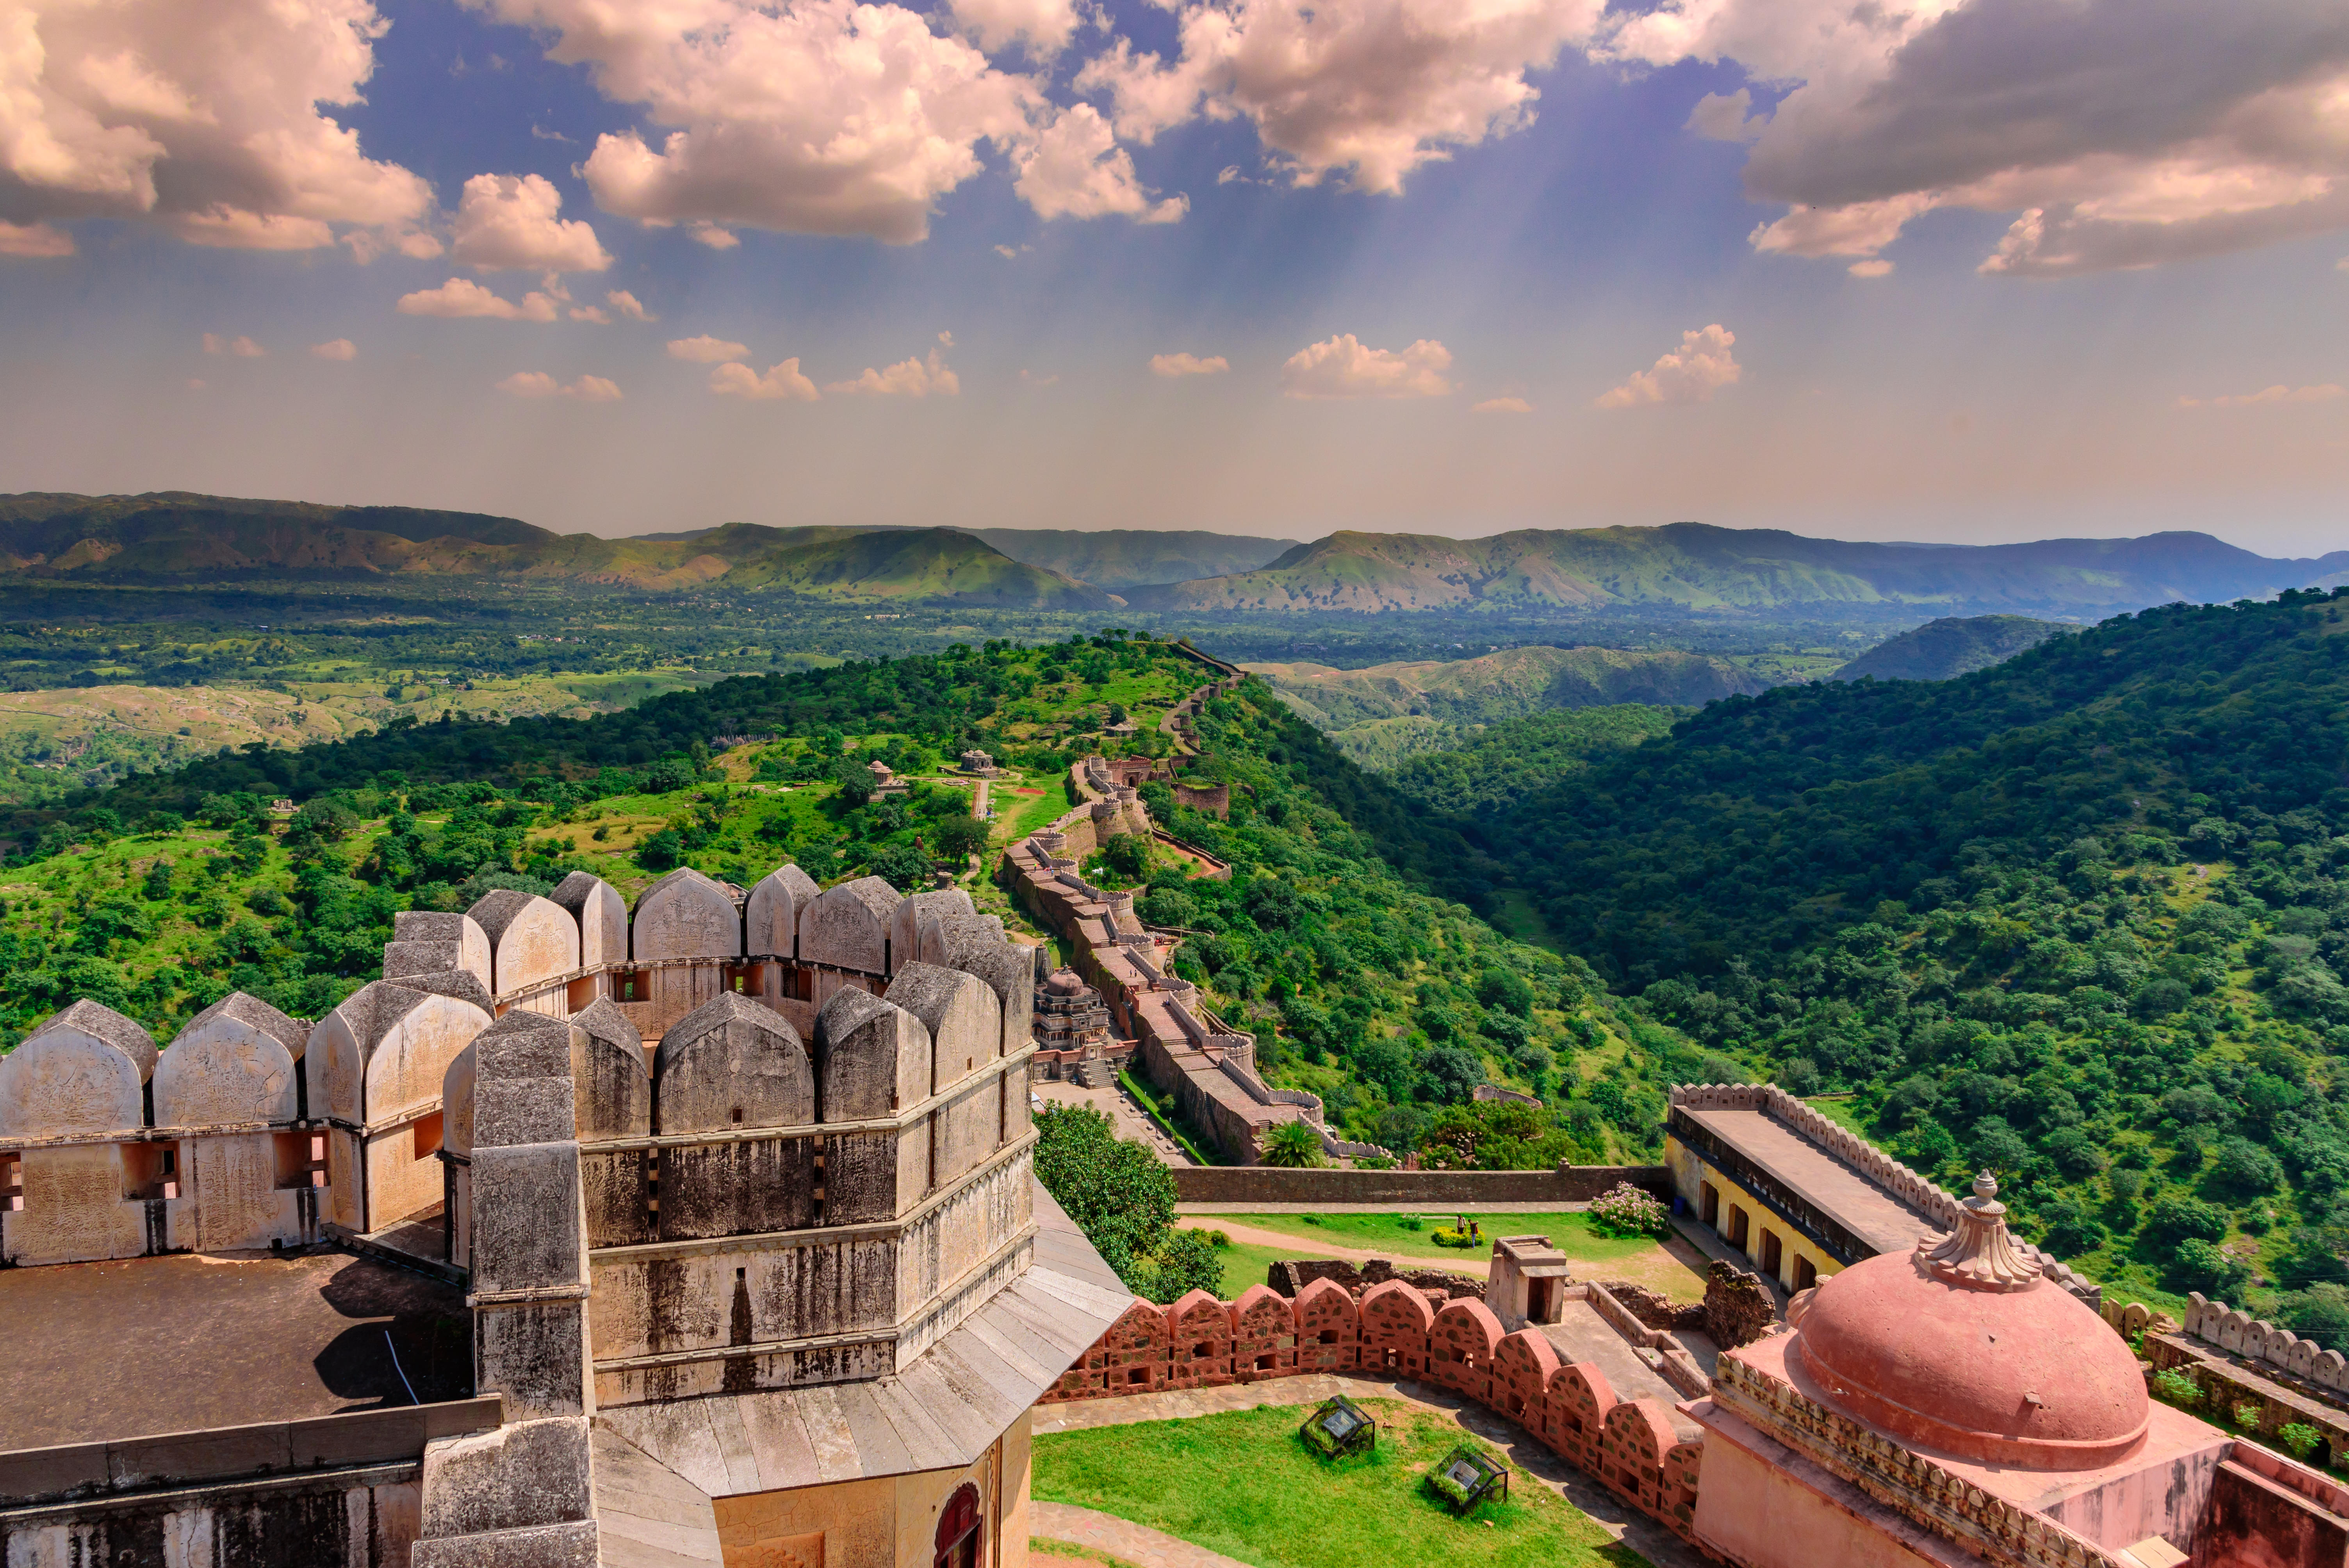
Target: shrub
1294, 1145
1411, 1223
2172, 1386
1625, 1211
1220, 1240
2210, 1268
2178, 1218
1450, 1238
2300, 1439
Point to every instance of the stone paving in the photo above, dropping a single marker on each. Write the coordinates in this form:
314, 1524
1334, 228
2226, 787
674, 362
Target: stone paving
1126, 1117
1635, 1530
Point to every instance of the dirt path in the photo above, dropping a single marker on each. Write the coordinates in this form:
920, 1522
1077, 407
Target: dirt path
1476, 1265
1674, 1267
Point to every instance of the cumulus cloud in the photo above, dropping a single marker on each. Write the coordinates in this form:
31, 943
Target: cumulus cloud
2326, 393
823, 116
906, 378
2116, 132
706, 349
1726, 117
1076, 169
1172, 365
341, 349
237, 347
1376, 88
781, 382
462, 297
1873, 267
626, 307
506, 221
205, 120
1044, 26
1692, 373
539, 383
1344, 366
715, 238
1501, 405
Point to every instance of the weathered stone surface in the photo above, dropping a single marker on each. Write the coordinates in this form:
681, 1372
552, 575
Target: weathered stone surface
961, 1012
1009, 970
873, 1057
732, 1063
546, 1546
601, 915
848, 926
686, 915
458, 943
386, 1048
956, 929
78, 1072
535, 1354
914, 925
772, 914
532, 939
457, 1104
614, 1079
225, 1066
458, 985
521, 1475
523, 1088
526, 1217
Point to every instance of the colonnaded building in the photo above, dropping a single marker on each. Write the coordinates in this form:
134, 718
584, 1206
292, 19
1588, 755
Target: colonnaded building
701, 1233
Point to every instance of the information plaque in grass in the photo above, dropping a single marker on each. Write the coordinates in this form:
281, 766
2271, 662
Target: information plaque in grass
1246, 1484
1467, 1475
1340, 1427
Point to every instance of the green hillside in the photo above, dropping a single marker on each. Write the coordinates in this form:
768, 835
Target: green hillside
1704, 567
1122, 558
1497, 767
174, 537
1950, 646
2078, 917
1510, 684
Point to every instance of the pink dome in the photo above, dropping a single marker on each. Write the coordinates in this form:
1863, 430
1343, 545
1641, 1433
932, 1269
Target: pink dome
1961, 1346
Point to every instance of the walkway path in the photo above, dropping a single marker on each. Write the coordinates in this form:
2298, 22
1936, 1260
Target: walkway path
1477, 1264
1650, 1540
1135, 1544
1674, 1266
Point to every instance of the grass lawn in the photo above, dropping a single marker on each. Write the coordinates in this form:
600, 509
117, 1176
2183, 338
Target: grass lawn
1384, 1233
1243, 1483
1245, 1265
1017, 816
1069, 1551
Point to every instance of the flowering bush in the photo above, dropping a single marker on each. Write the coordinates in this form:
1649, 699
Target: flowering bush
1627, 1212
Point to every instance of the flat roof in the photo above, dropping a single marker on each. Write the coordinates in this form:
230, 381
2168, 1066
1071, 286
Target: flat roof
105, 1351
1839, 1191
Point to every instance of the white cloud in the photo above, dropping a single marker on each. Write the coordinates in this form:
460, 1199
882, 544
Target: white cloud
1344, 367
823, 117
35, 240
946, 339
1873, 267
2326, 393
462, 298
1720, 117
2116, 133
539, 383
706, 349
507, 221
1076, 169
1374, 86
1045, 26
781, 381
341, 349
1172, 365
239, 347
906, 378
1702, 366
595, 314
1501, 405
206, 120
626, 307
715, 238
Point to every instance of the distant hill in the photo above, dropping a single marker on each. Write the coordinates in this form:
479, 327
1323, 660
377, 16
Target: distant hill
1952, 646
1704, 567
1510, 684
1122, 558
176, 536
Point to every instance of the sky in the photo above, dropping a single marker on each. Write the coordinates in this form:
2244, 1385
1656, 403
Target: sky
1955, 270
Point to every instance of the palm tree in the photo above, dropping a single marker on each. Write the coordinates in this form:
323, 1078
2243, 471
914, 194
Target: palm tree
1293, 1144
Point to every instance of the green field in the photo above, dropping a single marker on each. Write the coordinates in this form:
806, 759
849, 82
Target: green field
1386, 1234
1244, 1485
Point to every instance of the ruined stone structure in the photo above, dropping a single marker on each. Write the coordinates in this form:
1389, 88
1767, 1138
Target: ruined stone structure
738, 1185
1073, 1042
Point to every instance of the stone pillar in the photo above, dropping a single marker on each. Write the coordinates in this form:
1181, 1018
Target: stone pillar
522, 1494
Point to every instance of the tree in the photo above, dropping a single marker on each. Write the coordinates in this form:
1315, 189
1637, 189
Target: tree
1127, 854
1507, 990
902, 866
1115, 1190
1293, 1145
959, 836
2180, 1219
856, 781
1452, 1072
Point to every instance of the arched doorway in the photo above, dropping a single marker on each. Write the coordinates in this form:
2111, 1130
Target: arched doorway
959, 1530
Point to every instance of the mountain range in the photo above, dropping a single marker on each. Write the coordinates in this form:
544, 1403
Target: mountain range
1702, 567
181, 536
1509, 684
1944, 649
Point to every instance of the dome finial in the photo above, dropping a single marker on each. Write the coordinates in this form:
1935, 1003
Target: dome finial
1980, 1254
